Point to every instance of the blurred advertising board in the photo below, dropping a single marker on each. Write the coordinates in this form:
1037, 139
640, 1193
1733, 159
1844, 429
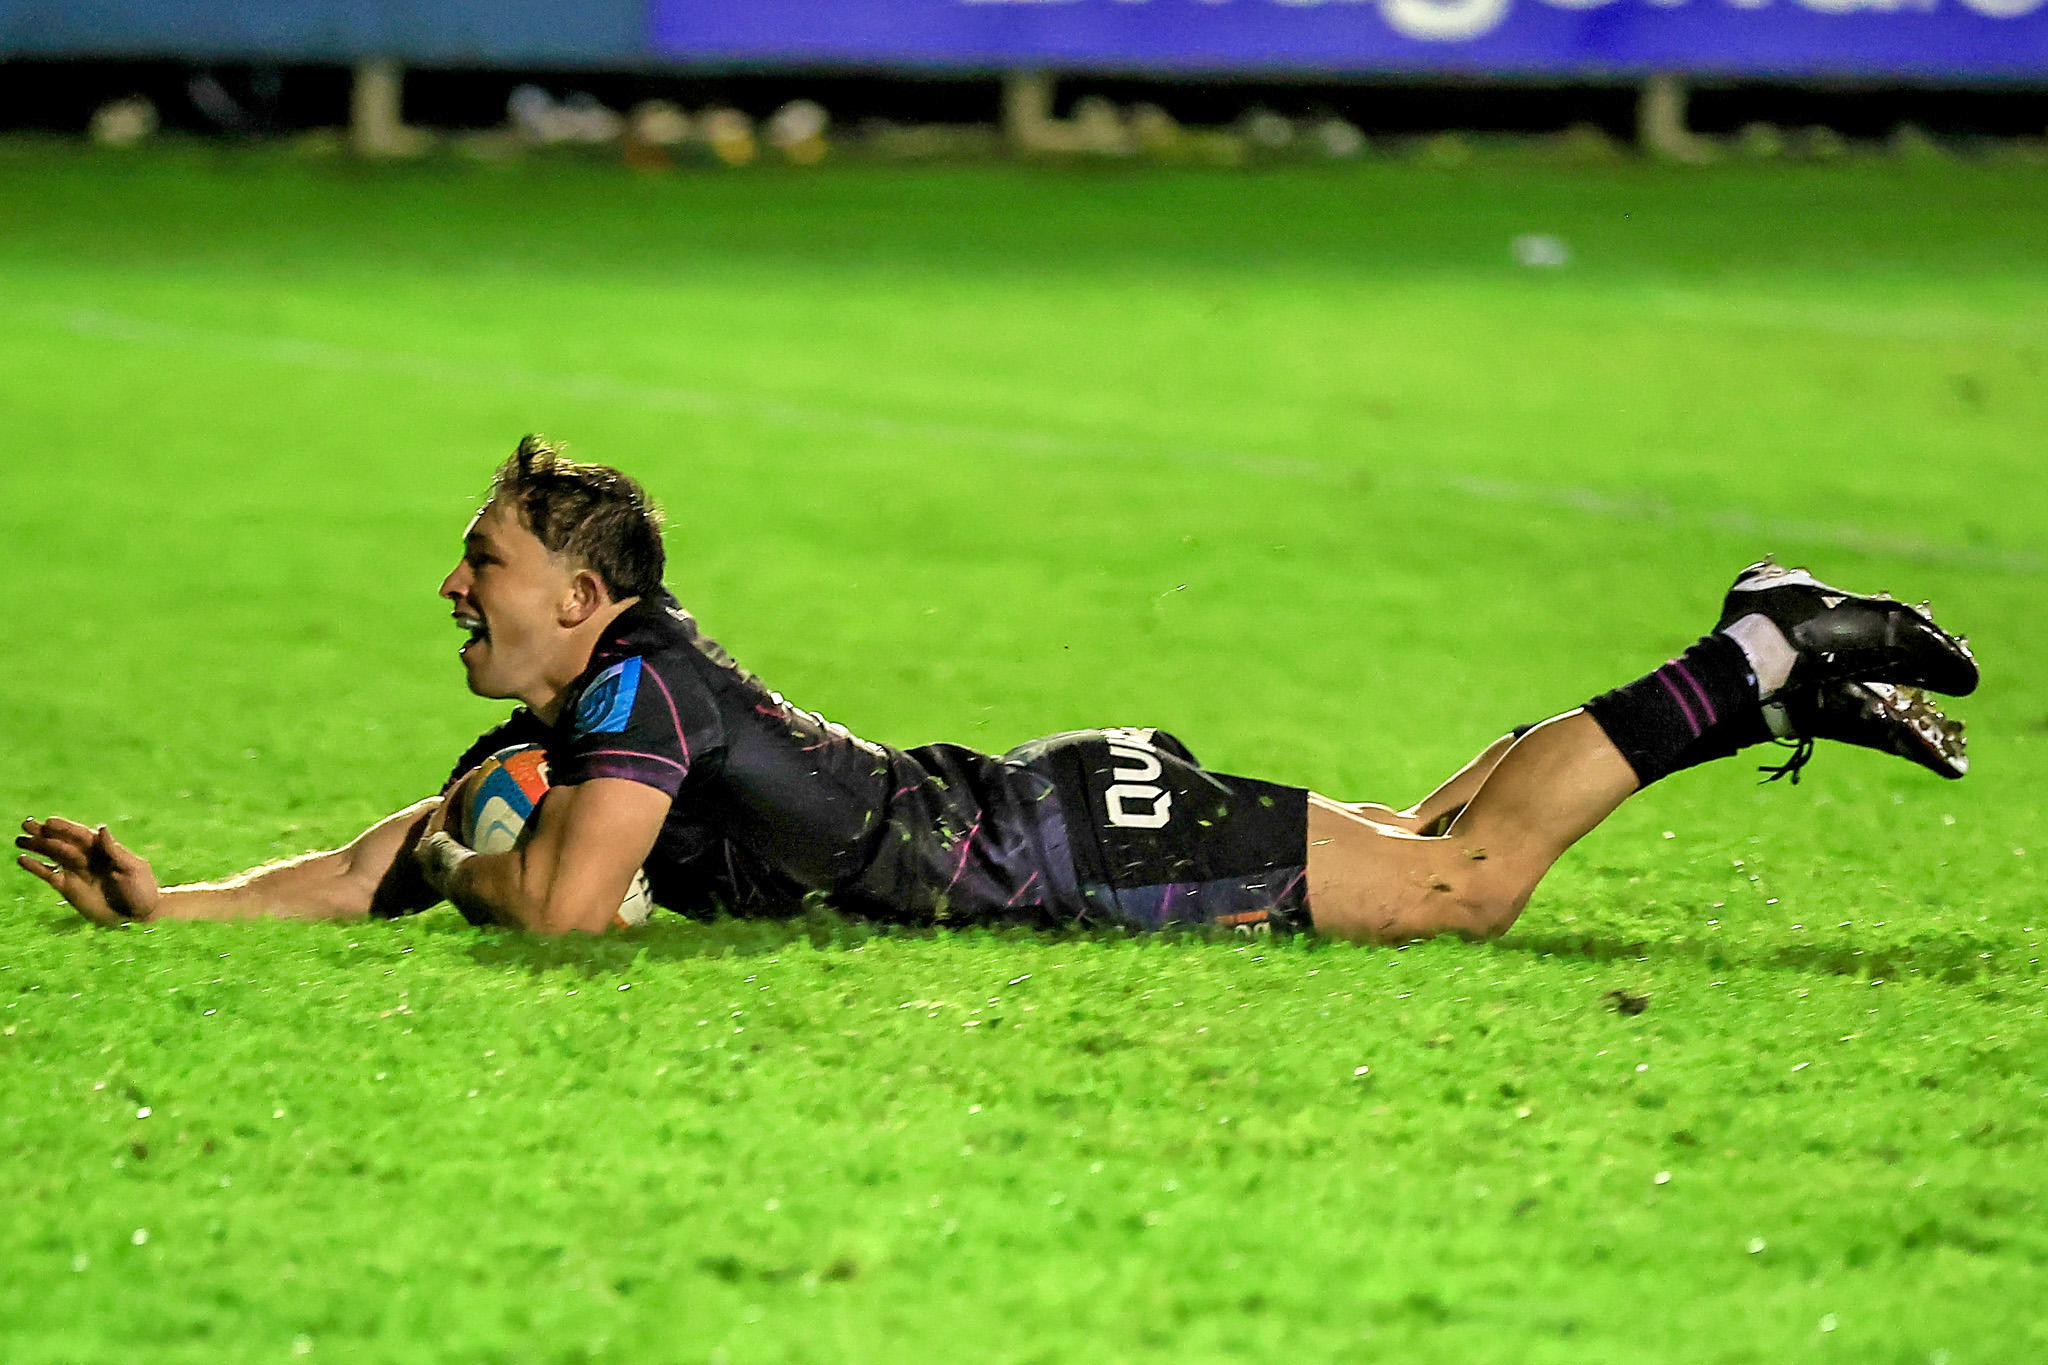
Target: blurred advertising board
456, 32
1926, 38
1931, 39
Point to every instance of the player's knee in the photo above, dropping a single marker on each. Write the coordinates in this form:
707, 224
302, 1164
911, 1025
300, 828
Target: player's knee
1498, 915
1480, 904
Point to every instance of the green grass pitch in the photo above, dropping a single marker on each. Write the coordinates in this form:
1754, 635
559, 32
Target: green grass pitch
1297, 463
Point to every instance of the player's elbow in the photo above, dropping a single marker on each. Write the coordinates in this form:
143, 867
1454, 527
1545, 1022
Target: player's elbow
554, 909
498, 892
531, 908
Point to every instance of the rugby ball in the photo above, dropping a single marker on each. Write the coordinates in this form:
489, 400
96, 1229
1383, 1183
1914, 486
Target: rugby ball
498, 798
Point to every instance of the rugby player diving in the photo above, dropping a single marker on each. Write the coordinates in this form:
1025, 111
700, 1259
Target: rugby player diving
664, 755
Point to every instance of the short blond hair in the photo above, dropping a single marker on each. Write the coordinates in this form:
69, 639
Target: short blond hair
590, 512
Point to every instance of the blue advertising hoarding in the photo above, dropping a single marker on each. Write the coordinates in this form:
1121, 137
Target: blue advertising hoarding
1932, 39
1927, 38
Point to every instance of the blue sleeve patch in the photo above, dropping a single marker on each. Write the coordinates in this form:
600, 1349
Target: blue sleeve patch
608, 702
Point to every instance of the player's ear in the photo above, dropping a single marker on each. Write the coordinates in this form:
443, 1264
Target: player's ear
585, 598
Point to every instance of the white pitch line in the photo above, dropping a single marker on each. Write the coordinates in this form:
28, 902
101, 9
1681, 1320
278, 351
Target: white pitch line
1903, 324
307, 354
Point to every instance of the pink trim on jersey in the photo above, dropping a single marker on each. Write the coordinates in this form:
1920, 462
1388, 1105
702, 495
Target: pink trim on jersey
669, 697
682, 768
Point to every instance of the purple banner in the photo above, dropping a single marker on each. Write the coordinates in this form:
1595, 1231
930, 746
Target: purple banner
1912, 38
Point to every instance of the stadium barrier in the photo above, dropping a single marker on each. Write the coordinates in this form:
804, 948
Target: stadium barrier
1920, 39
1656, 42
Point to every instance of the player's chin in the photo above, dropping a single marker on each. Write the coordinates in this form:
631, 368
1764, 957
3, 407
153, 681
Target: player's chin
482, 680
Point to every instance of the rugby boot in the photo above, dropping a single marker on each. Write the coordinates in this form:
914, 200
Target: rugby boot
1844, 635
1891, 720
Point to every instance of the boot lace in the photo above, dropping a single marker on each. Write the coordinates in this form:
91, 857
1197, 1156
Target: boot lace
1802, 753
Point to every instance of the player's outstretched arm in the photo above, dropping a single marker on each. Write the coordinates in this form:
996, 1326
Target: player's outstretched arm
110, 884
573, 864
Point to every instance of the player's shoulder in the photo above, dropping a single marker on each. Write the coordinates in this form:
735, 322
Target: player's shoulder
655, 631
663, 635
653, 650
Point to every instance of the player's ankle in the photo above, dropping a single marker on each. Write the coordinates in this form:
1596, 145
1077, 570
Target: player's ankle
1771, 656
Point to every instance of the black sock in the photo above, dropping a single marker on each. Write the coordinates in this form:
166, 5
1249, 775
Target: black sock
1700, 706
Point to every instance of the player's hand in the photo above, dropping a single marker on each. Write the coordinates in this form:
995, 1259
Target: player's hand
435, 823
88, 867
442, 819
438, 819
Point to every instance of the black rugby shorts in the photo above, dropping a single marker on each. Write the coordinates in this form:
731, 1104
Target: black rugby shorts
1157, 840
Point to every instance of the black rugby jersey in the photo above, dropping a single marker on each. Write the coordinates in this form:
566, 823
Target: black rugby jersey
771, 801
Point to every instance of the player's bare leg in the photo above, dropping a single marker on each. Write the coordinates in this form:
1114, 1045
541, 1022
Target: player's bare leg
1792, 658
1376, 883
1433, 813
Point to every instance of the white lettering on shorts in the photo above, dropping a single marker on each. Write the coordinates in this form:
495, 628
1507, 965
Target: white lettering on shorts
1135, 801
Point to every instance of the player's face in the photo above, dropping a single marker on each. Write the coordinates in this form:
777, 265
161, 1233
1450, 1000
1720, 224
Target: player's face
508, 592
